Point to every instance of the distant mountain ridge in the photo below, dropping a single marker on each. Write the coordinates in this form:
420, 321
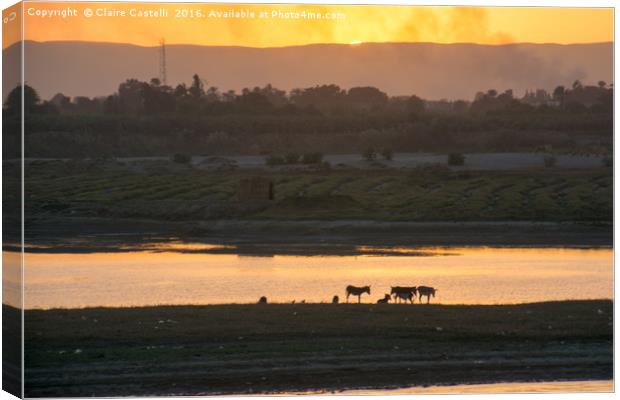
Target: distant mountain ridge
429, 70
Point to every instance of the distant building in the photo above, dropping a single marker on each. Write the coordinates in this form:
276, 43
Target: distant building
255, 189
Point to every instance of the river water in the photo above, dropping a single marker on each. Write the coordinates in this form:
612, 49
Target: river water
167, 276
504, 387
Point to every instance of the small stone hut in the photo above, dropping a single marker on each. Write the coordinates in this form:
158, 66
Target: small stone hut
255, 188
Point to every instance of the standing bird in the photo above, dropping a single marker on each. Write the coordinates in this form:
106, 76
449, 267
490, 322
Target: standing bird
335, 300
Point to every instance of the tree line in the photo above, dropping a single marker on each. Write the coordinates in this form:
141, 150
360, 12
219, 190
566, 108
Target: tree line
135, 97
149, 118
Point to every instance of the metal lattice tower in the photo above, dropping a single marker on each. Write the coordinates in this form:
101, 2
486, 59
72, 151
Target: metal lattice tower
162, 62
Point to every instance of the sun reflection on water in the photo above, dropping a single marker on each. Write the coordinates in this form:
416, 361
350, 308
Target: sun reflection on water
171, 276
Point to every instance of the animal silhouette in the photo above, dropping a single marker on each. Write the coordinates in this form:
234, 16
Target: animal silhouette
335, 300
403, 293
386, 299
357, 291
426, 291
262, 300
406, 296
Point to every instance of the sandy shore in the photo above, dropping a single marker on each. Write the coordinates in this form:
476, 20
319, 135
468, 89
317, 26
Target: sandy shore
187, 350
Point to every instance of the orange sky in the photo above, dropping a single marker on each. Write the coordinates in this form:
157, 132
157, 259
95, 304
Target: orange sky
487, 25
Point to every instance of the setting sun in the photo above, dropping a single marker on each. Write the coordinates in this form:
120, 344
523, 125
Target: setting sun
308, 199
267, 25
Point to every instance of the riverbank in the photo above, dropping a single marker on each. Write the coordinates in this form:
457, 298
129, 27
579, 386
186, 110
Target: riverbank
256, 237
188, 350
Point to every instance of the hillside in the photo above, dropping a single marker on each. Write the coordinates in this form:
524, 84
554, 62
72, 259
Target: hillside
429, 70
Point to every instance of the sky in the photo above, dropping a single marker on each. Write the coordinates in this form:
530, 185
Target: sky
286, 25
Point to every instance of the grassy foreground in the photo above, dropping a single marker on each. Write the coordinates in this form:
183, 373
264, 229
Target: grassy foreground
285, 347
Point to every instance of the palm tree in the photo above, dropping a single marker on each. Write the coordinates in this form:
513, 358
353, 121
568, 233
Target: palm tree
197, 89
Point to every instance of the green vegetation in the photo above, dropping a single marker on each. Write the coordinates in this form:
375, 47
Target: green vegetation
151, 119
293, 158
369, 154
312, 158
182, 158
456, 159
550, 160
159, 190
387, 154
273, 160
280, 347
